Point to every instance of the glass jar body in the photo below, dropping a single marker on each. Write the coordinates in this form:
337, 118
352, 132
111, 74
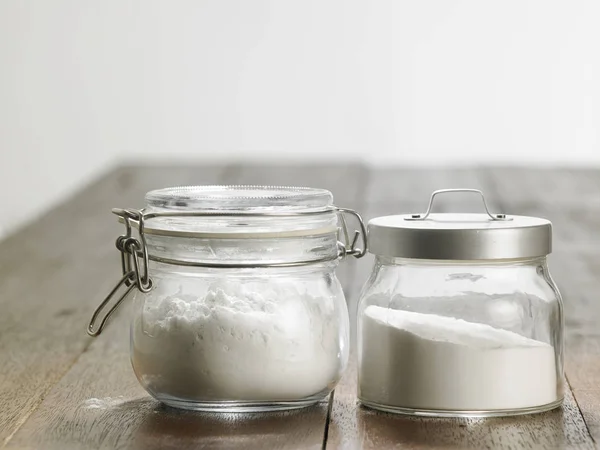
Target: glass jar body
246, 339
460, 338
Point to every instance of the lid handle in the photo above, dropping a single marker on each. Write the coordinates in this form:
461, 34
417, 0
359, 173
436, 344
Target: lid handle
426, 214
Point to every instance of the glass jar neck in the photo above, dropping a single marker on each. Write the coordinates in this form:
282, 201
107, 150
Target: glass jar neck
388, 260
238, 252
439, 278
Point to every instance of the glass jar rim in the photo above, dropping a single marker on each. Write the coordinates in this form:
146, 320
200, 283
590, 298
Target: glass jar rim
244, 211
401, 260
238, 198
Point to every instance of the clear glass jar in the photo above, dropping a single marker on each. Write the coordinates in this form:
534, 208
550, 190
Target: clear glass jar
239, 308
460, 317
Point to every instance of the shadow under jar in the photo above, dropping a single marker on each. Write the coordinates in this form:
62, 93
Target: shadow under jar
237, 306
460, 316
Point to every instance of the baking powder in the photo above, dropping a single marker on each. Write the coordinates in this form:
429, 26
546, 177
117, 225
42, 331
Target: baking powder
426, 361
246, 341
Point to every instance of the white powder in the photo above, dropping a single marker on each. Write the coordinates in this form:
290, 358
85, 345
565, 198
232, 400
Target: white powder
239, 341
424, 361
104, 403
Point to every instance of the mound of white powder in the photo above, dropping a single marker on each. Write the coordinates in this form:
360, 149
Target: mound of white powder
239, 341
425, 361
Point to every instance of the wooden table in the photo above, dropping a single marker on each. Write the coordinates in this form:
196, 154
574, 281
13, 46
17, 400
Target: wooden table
60, 389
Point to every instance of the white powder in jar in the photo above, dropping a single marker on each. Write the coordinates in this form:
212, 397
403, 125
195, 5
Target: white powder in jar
239, 341
425, 361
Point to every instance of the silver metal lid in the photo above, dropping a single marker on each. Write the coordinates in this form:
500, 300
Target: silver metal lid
460, 236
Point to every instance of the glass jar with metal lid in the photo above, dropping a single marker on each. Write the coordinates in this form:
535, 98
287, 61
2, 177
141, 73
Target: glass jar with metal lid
236, 303
460, 316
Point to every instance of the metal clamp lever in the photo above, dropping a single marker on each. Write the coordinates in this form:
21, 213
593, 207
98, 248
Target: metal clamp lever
349, 247
426, 214
132, 250
126, 280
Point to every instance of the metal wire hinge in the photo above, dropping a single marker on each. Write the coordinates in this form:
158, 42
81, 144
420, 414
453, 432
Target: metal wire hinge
134, 268
348, 247
135, 258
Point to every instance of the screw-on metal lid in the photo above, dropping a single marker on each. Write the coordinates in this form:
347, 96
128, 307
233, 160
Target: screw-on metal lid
458, 236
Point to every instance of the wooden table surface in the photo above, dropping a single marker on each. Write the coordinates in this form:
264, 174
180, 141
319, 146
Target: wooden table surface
60, 389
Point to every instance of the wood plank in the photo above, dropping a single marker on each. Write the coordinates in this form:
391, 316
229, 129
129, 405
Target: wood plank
552, 186
571, 200
99, 403
53, 273
588, 402
576, 274
356, 427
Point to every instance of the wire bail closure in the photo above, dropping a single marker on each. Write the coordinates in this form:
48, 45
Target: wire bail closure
425, 215
135, 258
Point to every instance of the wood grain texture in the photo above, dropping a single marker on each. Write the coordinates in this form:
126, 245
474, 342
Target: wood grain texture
52, 274
99, 403
571, 200
355, 427
62, 390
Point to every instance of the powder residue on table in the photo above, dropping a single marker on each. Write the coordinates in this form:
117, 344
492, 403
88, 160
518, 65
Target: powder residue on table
104, 403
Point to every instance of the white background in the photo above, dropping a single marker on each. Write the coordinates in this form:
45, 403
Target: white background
85, 85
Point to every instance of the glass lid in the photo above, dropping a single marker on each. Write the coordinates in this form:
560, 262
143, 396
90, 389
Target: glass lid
239, 211
239, 198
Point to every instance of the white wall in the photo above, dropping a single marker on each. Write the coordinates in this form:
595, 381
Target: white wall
85, 84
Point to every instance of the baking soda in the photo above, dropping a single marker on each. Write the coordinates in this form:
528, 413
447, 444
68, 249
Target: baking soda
239, 341
424, 361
